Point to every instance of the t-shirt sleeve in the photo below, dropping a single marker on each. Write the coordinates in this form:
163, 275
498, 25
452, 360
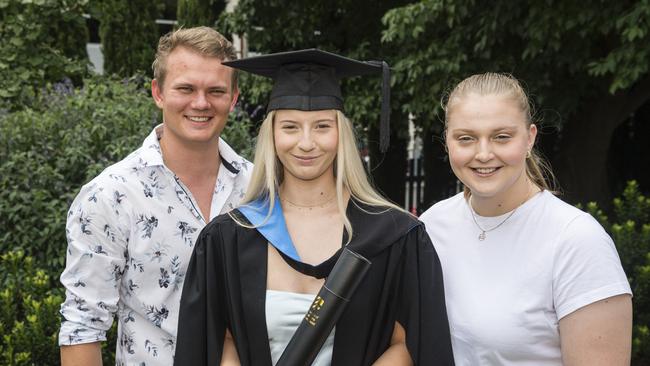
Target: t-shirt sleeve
586, 267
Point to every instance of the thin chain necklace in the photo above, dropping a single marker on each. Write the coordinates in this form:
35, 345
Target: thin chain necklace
483, 235
310, 207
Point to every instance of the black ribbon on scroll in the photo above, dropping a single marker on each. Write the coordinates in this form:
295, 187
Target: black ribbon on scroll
326, 309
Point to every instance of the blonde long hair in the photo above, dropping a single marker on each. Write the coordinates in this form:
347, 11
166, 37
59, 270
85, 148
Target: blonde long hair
538, 169
348, 169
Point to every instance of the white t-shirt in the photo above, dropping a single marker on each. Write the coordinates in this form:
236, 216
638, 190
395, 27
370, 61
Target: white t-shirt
506, 294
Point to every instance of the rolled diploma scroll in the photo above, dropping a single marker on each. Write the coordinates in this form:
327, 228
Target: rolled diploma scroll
326, 310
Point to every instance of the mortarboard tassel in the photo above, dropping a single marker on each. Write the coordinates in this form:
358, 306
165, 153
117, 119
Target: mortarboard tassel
384, 122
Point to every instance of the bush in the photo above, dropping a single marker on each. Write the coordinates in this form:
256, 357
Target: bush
29, 305
34, 52
49, 151
630, 229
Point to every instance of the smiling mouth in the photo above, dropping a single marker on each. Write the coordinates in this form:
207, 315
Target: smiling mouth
484, 171
198, 119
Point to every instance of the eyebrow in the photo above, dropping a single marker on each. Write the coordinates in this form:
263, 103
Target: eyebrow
187, 83
500, 129
289, 120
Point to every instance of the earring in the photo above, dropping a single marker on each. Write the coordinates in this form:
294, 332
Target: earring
529, 155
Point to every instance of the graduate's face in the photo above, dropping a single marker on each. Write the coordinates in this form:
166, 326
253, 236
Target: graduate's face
197, 96
488, 139
306, 142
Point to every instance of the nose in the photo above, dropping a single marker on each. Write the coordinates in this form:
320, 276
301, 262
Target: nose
306, 142
200, 101
484, 151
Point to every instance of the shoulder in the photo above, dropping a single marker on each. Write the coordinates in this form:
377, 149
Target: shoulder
577, 236
232, 223
224, 221
376, 228
553, 212
444, 208
379, 215
114, 178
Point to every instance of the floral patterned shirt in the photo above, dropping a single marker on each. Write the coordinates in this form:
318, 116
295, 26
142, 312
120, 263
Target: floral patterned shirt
130, 234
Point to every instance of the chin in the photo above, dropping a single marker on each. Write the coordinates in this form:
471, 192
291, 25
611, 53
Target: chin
483, 191
306, 176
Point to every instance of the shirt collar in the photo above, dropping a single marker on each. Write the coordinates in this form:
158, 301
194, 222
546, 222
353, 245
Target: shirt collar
152, 153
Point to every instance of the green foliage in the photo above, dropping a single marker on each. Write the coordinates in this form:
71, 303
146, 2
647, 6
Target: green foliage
49, 151
238, 133
192, 13
34, 52
630, 230
129, 35
29, 305
565, 50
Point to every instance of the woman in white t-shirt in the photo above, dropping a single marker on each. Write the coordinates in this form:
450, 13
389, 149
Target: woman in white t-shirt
529, 279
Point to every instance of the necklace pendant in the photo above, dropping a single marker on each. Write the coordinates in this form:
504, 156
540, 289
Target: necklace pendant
481, 236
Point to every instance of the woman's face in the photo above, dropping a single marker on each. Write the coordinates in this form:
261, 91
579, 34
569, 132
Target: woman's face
488, 139
306, 142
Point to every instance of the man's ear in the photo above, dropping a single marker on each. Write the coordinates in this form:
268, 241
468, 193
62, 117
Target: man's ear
156, 93
235, 95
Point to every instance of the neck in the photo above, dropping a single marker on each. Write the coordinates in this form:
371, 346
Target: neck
506, 201
308, 193
198, 160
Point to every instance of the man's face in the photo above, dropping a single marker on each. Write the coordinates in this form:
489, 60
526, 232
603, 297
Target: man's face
196, 99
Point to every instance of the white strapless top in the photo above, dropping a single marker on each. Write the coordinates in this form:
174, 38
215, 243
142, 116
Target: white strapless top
284, 312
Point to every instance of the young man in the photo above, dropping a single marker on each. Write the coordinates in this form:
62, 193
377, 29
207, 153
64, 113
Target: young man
131, 230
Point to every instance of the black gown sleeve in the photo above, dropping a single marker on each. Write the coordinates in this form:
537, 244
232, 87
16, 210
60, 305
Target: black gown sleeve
202, 318
421, 309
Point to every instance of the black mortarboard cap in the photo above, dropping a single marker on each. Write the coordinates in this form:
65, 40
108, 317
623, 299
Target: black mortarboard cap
310, 80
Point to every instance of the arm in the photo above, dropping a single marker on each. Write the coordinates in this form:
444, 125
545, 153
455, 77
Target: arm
87, 354
591, 297
598, 334
397, 354
230, 356
94, 264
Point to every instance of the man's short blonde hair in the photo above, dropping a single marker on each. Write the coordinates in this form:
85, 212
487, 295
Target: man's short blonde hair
203, 40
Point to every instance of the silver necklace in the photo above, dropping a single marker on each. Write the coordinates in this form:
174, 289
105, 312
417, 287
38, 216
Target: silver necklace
483, 235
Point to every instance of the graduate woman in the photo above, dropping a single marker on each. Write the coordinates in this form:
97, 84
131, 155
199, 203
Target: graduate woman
255, 273
529, 279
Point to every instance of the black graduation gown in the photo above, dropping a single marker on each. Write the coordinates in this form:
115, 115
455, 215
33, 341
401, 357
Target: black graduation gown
225, 287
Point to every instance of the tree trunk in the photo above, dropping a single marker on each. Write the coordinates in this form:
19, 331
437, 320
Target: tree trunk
388, 170
581, 161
